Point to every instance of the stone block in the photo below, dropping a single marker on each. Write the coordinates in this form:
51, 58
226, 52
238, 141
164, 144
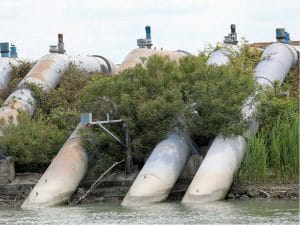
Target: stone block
7, 170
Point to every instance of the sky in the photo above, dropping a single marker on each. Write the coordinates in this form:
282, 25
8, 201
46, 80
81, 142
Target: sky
110, 27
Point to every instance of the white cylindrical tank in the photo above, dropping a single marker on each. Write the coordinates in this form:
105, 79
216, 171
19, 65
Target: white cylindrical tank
215, 175
160, 172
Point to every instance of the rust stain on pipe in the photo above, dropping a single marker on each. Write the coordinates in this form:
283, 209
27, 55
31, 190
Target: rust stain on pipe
38, 71
137, 56
11, 112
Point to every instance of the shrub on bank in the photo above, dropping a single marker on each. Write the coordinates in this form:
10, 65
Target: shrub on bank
32, 143
162, 95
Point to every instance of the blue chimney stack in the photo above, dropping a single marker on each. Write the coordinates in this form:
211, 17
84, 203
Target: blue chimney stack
148, 36
148, 32
13, 51
287, 38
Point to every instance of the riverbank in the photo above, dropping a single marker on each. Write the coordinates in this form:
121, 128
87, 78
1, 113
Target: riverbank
115, 188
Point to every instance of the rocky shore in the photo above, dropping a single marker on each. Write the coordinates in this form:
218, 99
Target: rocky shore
116, 187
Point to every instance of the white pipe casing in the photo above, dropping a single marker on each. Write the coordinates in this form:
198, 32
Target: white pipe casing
94, 63
216, 170
160, 172
69, 166
47, 73
63, 175
6, 65
220, 57
215, 175
139, 55
20, 100
276, 61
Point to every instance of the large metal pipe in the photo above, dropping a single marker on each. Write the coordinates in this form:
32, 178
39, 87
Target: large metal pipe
69, 166
160, 172
62, 169
63, 175
162, 168
139, 55
6, 65
221, 56
214, 177
47, 73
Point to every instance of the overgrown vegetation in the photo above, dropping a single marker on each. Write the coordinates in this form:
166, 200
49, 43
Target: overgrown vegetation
34, 142
273, 155
163, 95
157, 99
18, 72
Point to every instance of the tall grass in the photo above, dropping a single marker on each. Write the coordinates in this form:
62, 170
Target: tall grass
273, 155
255, 166
284, 148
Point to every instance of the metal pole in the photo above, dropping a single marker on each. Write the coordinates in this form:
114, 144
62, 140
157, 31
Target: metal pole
129, 162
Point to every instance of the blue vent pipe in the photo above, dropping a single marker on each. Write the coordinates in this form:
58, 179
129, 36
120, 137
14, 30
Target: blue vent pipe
148, 32
4, 48
287, 38
13, 51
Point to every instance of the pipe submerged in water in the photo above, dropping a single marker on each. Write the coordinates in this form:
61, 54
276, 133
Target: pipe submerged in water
60, 185
215, 175
163, 167
160, 172
70, 164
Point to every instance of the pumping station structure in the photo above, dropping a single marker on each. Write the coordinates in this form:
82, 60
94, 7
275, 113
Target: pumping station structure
212, 174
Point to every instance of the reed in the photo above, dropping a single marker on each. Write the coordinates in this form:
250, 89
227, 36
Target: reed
254, 167
273, 155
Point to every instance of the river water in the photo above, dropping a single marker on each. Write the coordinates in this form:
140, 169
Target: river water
226, 212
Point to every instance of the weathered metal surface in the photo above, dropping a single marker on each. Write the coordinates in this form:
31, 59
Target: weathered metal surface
221, 56
5, 71
215, 175
216, 171
62, 176
275, 63
70, 165
46, 73
140, 55
160, 172
19, 100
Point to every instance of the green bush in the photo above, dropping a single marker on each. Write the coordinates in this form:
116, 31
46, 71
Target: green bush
163, 95
32, 143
